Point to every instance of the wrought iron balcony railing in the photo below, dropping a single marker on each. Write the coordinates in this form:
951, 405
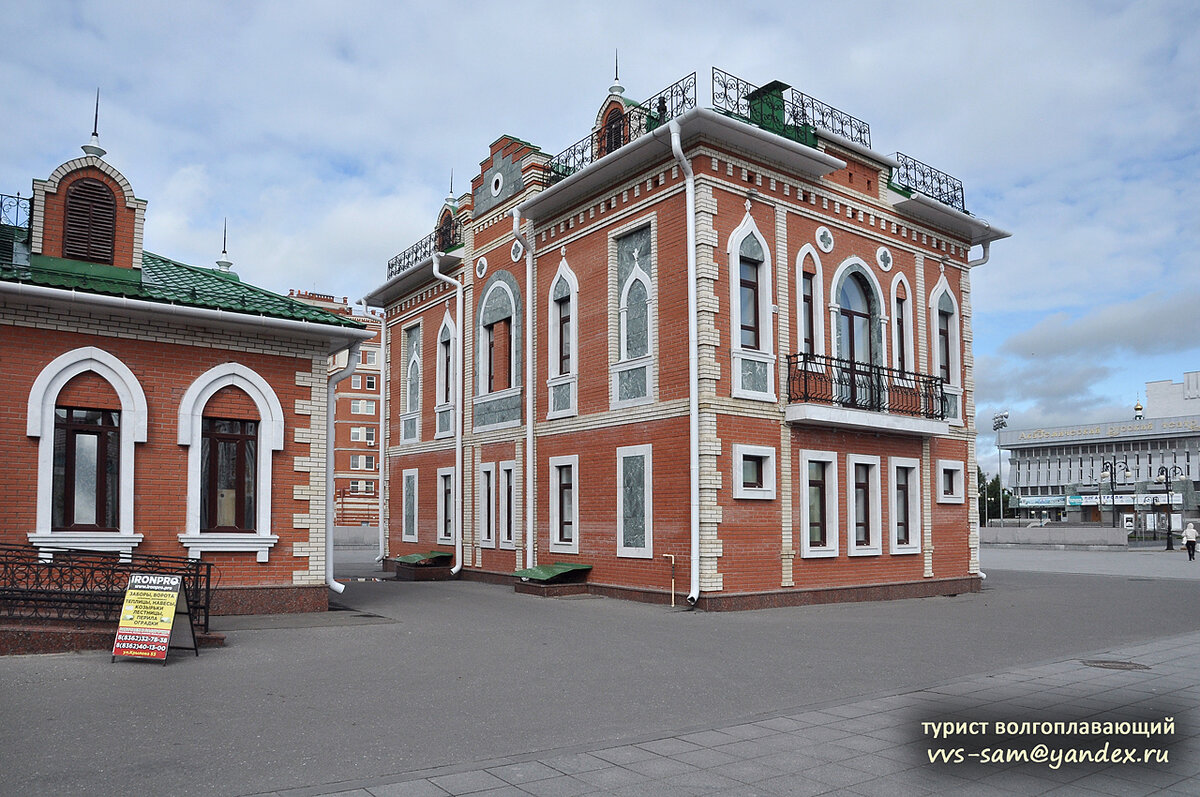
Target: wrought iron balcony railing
793, 116
924, 179
844, 383
14, 210
446, 237
635, 121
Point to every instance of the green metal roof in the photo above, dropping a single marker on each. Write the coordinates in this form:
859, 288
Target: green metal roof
168, 282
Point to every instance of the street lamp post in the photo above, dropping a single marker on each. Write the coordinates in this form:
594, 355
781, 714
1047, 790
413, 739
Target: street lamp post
1108, 468
1166, 474
999, 421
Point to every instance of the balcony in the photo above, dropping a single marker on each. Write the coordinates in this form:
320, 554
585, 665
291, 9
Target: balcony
912, 175
447, 237
14, 226
635, 122
828, 391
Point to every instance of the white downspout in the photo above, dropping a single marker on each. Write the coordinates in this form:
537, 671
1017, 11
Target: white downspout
458, 410
987, 246
693, 365
530, 465
330, 412
382, 440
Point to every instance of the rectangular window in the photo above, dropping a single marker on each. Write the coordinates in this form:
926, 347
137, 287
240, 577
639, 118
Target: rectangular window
863, 506
507, 515
362, 462
905, 512
753, 472
818, 504
445, 505
368, 357
408, 531
86, 482
229, 473
485, 512
952, 481
564, 335
356, 382
362, 407
362, 487
564, 506
809, 315
749, 304
370, 383
635, 533
446, 354
944, 345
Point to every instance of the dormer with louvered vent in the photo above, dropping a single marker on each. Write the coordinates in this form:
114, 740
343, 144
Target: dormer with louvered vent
86, 211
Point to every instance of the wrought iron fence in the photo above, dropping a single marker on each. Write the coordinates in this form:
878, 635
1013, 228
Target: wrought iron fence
791, 116
845, 383
924, 179
89, 585
443, 239
634, 122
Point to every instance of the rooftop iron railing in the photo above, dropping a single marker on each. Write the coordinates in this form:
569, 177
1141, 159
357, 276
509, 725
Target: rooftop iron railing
634, 122
913, 175
14, 210
793, 116
864, 386
447, 236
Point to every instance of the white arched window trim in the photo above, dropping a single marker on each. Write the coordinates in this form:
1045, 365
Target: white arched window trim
555, 380
481, 363
39, 423
858, 265
270, 438
766, 293
445, 378
954, 388
810, 251
909, 327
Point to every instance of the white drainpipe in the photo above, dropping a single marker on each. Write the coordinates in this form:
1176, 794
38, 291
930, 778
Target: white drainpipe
381, 441
330, 413
693, 365
458, 410
530, 465
987, 245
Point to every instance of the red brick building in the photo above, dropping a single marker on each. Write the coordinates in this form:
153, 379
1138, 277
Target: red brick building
730, 343
156, 407
357, 407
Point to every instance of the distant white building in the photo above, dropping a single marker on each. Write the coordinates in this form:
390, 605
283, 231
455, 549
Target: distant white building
1139, 464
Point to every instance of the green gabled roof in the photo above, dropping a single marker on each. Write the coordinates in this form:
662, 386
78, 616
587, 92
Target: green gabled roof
169, 282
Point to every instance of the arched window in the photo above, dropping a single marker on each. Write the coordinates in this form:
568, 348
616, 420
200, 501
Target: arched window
444, 409
751, 333
410, 418
854, 320
496, 340
633, 373
946, 342
902, 326
635, 318
613, 132
945, 316
810, 336
90, 223
445, 232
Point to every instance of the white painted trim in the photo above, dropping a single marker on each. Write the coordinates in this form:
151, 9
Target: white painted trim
442, 377
766, 315
959, 467
646, 551
875, 547
858, 265
39, 423
481, 351
271, 432
914, 506
943, 287
485, 535
740, 490
806, 251
832, 527
850, 418
508, 466
909, 342
554, 463
441, 506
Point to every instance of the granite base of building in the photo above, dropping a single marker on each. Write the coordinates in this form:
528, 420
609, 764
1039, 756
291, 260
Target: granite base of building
26, 636
724, 602
269, 600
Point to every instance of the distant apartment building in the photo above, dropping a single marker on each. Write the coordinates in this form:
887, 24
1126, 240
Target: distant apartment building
724, 347
1124, 471
357, 408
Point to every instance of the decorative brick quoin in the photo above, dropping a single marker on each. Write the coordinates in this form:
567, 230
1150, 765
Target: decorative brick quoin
152, 407
725, 347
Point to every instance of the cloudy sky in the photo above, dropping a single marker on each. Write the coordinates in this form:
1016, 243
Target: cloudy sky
326, 133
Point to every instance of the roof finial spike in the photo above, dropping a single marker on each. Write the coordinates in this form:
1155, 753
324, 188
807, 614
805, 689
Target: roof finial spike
616, 87
93, 146
450, 200
224, 263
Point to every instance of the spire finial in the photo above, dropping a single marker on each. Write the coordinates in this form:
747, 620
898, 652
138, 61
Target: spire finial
616, 87
224, 263
93, 146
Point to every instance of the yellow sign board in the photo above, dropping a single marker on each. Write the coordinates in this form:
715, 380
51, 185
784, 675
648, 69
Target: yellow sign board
147, 625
